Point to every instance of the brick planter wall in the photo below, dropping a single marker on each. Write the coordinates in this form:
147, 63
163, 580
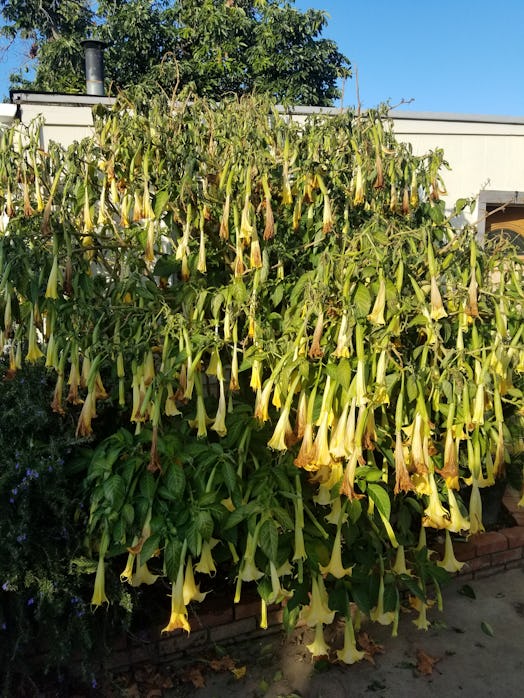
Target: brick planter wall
218, 621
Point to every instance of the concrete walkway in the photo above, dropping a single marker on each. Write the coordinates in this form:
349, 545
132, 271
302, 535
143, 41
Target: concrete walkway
477, 645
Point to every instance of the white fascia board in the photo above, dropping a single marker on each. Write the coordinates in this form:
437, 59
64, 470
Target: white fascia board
7, 113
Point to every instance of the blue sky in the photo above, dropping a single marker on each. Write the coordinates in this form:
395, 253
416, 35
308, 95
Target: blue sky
447, 56
459, 56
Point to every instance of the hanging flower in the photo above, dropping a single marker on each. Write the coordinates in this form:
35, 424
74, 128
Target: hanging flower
349, 654
318, 611
335, 566
449, 562
206, 564
318, 647
190, 590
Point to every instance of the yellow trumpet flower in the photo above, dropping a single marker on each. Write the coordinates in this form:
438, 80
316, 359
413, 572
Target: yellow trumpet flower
377, 313
437, 307
190, 590
318, 611
349, 654
435, 515
99, 593
206, 564
449, 561
318, 647
475, 509
178, 618
457, 521
377, 614
335, 566
142, 575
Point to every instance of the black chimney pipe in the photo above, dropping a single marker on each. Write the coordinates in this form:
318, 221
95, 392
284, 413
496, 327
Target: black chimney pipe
94, 62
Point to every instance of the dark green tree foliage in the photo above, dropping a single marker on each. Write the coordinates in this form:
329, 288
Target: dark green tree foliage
213, 47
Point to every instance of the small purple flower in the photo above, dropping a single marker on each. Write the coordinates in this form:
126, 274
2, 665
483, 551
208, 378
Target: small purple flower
21, 538
5, 586
3, 626
30, 601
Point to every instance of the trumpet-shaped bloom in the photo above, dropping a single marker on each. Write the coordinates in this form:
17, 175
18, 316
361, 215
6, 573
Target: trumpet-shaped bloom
318, 611
178, 618
219, 425
283, 431
206, 564
377, 313
142, 575
378, 614
335, 566
399, 566
449, 561
191, 590
434, 514
402, 479
437, 307
475, 509
337, 444
336, 515
349, 654
262, 402
99, 592
320, 444
201, 420
278, 594
421, 620
52, 282
318, 647
457, 521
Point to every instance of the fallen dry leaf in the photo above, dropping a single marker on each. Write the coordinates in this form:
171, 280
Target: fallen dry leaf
224, 663
369, 646
194, 675
425, 663
239, 673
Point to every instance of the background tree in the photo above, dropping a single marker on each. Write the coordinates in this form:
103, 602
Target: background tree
214, 47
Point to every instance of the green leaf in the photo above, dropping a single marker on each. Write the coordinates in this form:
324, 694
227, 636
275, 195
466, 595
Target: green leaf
380, 498
172, 552
468, 591
161, 199
175, 480
268, 539
343, 375
149, 548
362, 301
114, 491
205, 524
487, 629
229, 475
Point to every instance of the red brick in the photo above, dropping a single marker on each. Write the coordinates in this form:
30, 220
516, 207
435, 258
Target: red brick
515, 536
516, 565
146, 653
211, 618
478, 563
465, 551
179, 641
232, 630
275, 616
506, 556
518, 516
511, 500
490, 542
247, 609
